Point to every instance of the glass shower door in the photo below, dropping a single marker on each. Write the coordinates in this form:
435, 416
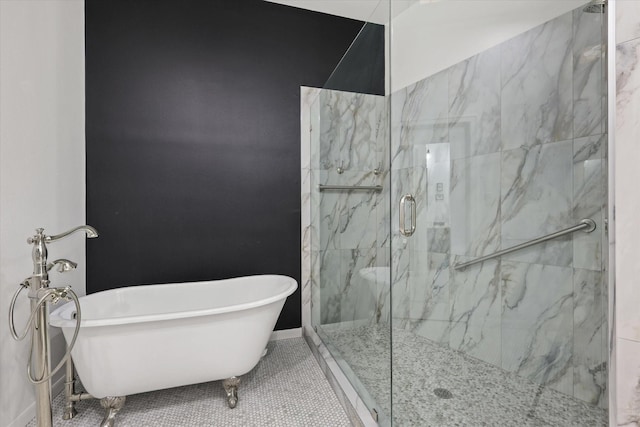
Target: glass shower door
491, 149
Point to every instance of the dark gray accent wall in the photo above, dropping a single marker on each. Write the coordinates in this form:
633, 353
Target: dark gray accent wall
193, 137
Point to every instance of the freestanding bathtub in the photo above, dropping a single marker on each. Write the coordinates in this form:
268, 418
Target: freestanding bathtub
150, 337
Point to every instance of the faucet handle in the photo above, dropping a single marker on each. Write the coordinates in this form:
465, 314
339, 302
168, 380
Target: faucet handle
39, 236
64, 265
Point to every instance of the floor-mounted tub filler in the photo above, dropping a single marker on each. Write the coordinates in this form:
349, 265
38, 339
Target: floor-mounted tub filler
150, 337
41, 294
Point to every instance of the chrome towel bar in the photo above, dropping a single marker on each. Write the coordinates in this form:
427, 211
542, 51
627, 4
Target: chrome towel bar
588, 225
376, 188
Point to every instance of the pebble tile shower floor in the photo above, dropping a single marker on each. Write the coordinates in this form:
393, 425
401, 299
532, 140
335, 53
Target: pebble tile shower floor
286, 389
438, 387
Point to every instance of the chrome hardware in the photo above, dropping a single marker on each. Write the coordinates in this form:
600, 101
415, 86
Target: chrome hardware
587, 225
374, 414
403, 229
378, 170
91, 233
71, 397
64, 265
39, 371
231, 387
69, 390
112, 404
340, 169
375, 188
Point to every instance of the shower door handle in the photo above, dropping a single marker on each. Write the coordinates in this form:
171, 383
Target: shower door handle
403, 208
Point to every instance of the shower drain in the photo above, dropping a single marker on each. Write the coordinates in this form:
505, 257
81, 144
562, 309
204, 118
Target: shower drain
443, 393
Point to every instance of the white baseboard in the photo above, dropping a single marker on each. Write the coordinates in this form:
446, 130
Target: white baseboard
30, 412
286, 334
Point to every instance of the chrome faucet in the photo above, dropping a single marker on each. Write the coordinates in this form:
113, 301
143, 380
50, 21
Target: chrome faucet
41, 294
39, 254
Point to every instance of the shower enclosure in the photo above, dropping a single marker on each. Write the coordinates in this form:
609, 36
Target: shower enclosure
491, 134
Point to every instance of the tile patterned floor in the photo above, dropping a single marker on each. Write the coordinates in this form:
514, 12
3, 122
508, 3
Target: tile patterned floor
481, 394
286, 389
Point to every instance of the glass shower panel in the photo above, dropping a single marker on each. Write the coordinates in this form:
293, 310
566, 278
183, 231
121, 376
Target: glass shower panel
492, 148
350, 188
350, 236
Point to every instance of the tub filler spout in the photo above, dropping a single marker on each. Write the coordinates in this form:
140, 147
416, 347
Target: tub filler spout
89, 230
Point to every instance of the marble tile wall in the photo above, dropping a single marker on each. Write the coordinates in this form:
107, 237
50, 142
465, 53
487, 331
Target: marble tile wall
627, 204
504, 147
346, 237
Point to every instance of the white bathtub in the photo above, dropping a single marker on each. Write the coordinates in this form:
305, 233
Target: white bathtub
143, 338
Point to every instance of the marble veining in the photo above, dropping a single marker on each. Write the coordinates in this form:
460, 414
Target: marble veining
358, 222
439, 239
346, 230
359, 298
536, 200
351, 130
430, 316
536, 85
474, 105
475, 312
419, 117
475, 205
589, 337
537, 318
421, 302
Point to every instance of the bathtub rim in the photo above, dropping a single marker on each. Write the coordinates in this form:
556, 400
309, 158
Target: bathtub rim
61, 317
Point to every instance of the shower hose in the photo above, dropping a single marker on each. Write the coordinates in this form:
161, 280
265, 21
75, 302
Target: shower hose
54, 295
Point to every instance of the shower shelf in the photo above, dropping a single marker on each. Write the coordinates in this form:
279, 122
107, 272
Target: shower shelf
588, 225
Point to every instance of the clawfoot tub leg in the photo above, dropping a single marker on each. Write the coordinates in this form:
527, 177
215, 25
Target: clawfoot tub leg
112, 405
231, 387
